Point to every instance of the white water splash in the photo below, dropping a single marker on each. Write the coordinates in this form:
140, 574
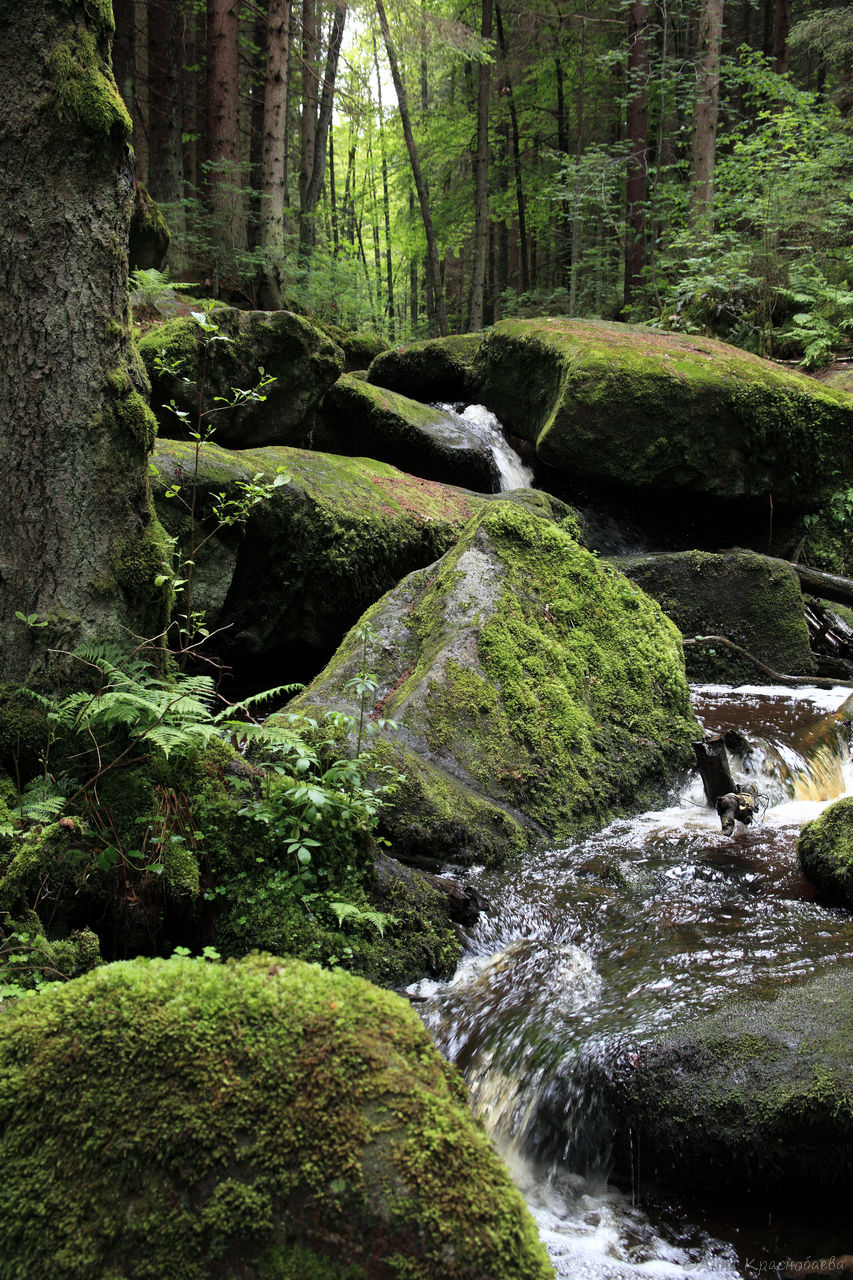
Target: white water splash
482, 423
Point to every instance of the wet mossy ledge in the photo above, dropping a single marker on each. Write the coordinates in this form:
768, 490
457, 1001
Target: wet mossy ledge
825, 851
754, 1099
650, 410
262, 1119
540, 690
369, 421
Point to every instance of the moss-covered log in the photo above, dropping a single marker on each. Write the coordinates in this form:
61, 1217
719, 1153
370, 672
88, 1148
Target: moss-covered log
78, 544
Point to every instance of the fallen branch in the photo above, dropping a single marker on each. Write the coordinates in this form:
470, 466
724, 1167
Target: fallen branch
777, 677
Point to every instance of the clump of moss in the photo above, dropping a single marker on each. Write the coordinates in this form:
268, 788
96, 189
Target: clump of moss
84, 83
825, 850
217, 1121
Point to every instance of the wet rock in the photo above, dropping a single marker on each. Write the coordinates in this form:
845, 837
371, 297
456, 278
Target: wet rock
825, 851
260, 1118
315, 553
662, 411
535, 689
368, 421
438, 369
753, 600
756, 1098
301, 358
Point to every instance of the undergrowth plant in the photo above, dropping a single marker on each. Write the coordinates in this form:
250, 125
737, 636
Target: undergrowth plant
225, 511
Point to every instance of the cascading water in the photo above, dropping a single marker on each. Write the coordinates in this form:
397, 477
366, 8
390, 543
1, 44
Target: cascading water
480, 422
631, 930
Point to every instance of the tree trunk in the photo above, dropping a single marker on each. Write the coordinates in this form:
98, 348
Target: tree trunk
166, 158
481, 189
310, 63
705, 115
78, 545
386, 202
636, 182
433, 269
271, 229
781, 29
228, 221
523, 248
320, 132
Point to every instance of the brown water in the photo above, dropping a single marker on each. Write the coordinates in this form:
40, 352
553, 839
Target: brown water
653, 919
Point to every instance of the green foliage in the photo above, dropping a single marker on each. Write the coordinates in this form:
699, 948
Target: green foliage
148, 286
226, 511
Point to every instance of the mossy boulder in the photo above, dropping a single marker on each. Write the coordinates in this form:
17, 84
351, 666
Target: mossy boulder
149, 236
361, 419
756, 1098
301, 358
635, 407
754, 601
437, 369
318, 550
541, 683
359, 348
825, 850
263, 1119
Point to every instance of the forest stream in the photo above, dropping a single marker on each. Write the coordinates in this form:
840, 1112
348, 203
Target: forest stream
627, 931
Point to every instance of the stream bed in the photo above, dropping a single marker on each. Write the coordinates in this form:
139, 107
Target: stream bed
628, 931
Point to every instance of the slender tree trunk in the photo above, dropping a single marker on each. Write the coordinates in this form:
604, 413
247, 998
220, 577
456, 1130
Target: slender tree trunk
310, 98
636, 180
705, 116
523, 244
434, 271
228, 220
312, 188
166, 158
386, 202
481, 189
781, 28
271, 228
78, 545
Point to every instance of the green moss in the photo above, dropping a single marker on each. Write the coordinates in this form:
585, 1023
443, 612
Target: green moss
84, 84
207, 1119
647, 409
825, 850
437, 369
754, 601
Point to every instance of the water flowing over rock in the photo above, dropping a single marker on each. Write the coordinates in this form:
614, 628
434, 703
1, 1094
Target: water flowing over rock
540, 685
426, 440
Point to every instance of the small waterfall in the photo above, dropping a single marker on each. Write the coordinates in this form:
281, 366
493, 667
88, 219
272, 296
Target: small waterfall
592, 947
480, 422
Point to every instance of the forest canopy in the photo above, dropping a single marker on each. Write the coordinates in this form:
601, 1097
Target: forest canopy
420, 168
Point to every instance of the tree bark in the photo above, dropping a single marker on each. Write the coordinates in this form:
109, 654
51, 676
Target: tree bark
433, 268
636, 182
78, 545
271, 229
705, 115
228, 220
386, 202
523, 248
320, 132
481, 188
166, 159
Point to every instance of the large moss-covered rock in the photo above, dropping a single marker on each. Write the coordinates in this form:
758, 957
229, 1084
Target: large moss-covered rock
265, 1120
637, 407
755, 1098
301, 358
752, 600
437, 369
318, 550
543, 685
825, 850
370, 421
